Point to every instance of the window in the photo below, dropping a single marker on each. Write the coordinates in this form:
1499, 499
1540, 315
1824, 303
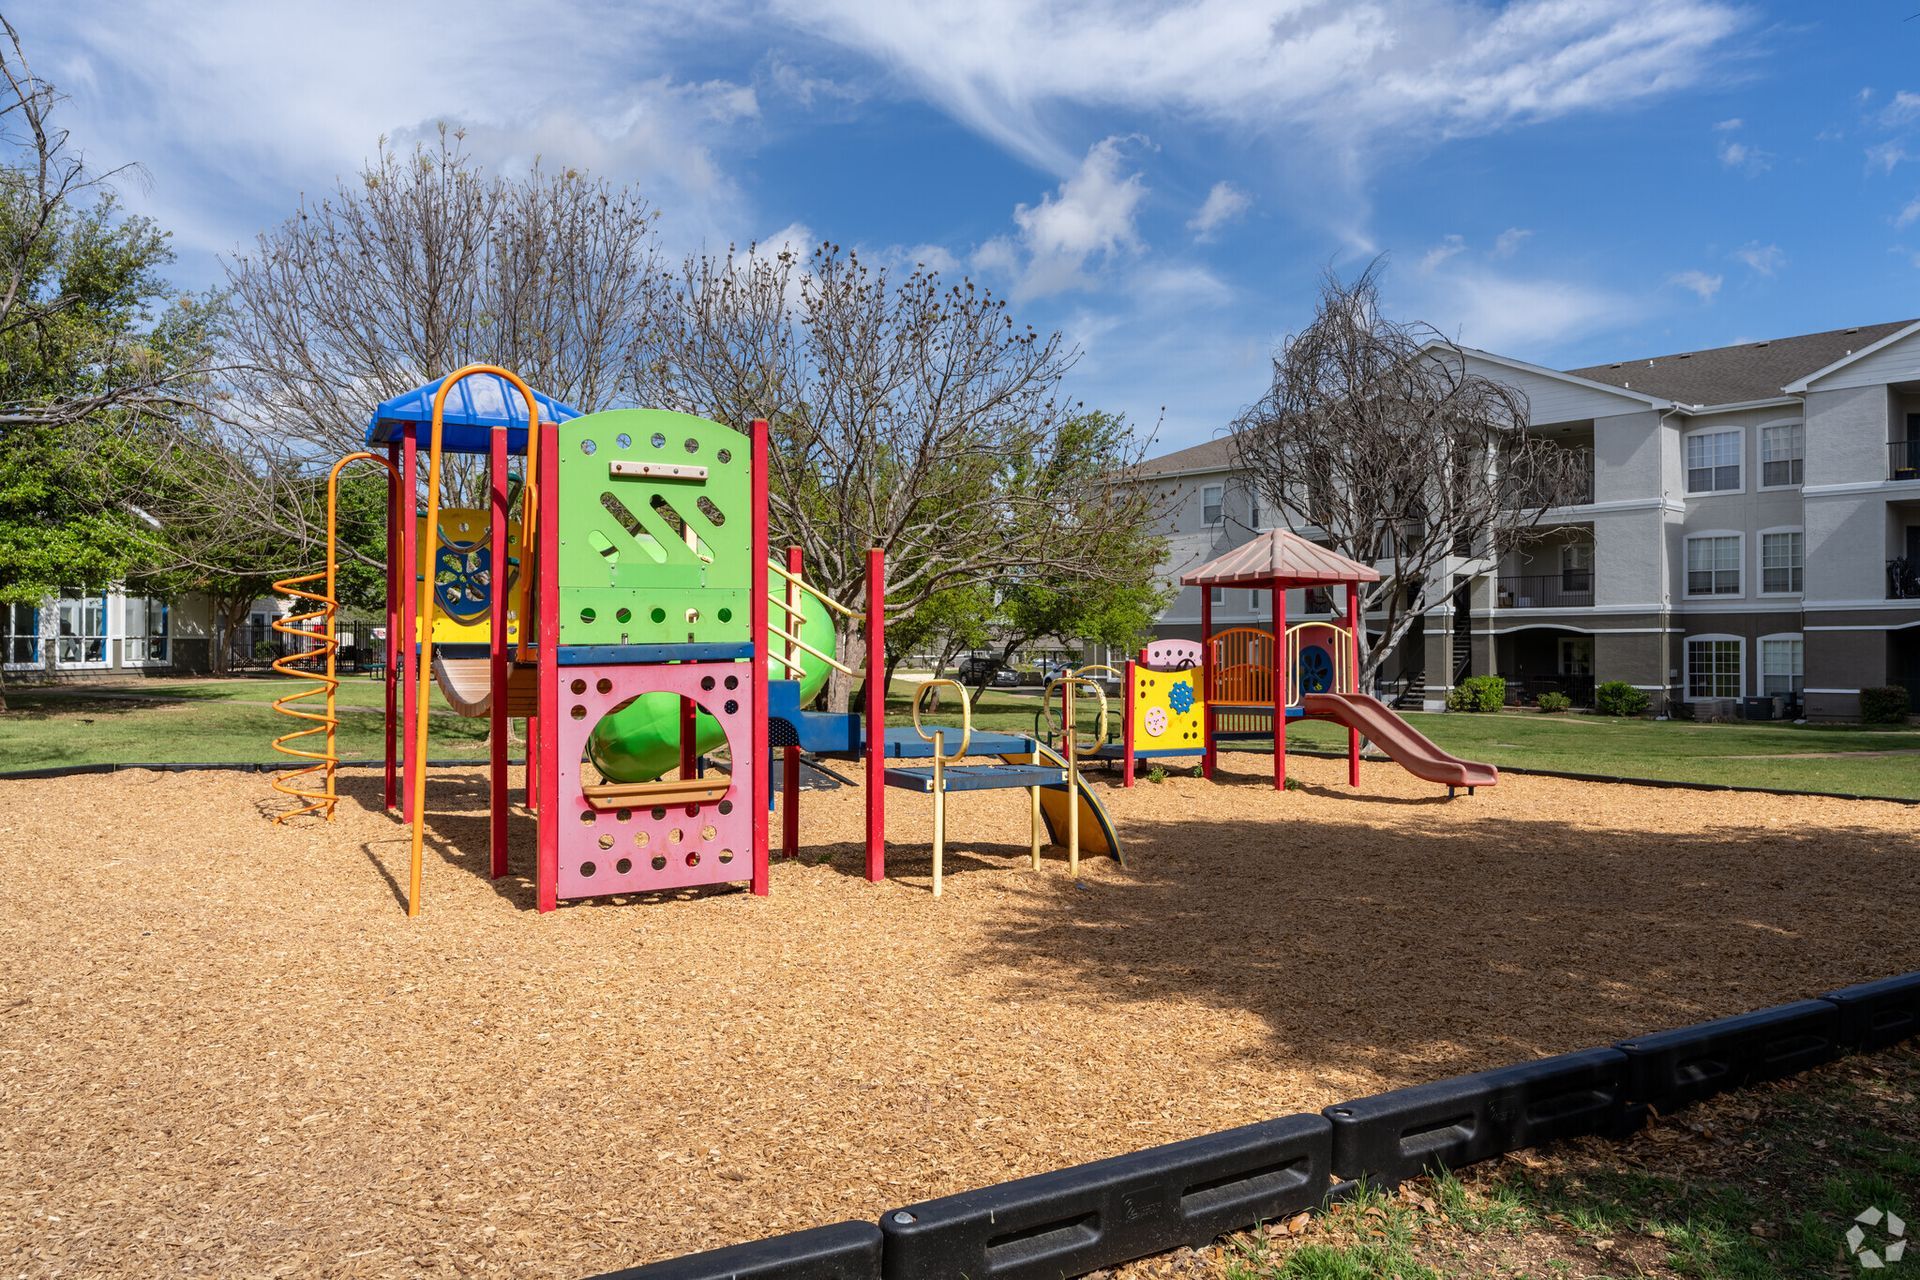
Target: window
1253, 508
1782, 665
20, 643
83, 630
1576, 566
1211, 512
1780, 562
1713, 461
1253, 601
1713, 565
1783, 452
147, 632
1576, 655
1216, 595
1713, 667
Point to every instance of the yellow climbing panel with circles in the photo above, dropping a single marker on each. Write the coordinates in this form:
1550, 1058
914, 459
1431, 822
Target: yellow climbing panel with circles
1168, 711
458, 564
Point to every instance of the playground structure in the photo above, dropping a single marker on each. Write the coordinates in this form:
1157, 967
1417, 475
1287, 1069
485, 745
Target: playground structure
643, 634
1183, 698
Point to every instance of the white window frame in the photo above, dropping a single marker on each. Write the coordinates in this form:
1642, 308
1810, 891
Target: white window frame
1217, 597
1740, 462
105, 635
1253, 600
1218, 504
1760, 659
1760, 436
41, 652
1686, 564
127, 637
1760, 562
1686, 672
1253, 508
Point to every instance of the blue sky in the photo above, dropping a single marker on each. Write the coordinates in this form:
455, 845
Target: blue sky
1565, 181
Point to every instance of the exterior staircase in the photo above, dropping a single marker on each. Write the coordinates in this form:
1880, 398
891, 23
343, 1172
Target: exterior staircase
1414, 696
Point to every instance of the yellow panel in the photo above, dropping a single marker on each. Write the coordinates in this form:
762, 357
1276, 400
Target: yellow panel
1158, 721
460, 609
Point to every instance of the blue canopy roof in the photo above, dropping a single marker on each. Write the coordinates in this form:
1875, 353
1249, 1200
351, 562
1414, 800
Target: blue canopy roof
476, 406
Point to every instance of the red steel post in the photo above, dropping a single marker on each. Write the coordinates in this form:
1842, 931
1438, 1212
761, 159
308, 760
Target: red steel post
761, 770
497, 799
1353, 679
401, 648
1209, 754
1281, 676
544, 587
392, 672
1126, 728
876, 717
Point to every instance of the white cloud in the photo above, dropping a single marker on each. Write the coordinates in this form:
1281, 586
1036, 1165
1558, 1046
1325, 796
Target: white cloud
1517, 315
1356, 74
1224, 203
1508, 242
1764, 259
1886, 156
1906, 216
1704, 286
1722, 126
1089, 217
1451, 246
1187, 285
1903, 109
1738, 155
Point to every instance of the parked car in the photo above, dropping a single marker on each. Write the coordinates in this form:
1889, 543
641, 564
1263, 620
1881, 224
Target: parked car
975, 667
1005, 678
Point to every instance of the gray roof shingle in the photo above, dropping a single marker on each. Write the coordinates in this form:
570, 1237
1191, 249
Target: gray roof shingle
1732, 375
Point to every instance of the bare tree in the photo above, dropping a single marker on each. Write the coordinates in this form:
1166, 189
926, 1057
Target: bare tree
419, 265
908, 414
1376, 440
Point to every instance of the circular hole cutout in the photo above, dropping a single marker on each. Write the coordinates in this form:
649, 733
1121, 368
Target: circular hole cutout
726, 615
578, 686
732, 707
624, 440
586, 817
658, 814
658, 615
693, 811
693, 446
587, 868
588, 615
623, 615
675, 836
708, 832
733, 682
640, 840
578, 713
603, 685
659, 441
623, 815
693, 858
606, 842
587, 446
724, 456
706, 683
725, 807
726, 855
659, 862
623, 866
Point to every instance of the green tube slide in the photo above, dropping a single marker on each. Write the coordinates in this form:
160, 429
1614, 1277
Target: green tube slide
641, 741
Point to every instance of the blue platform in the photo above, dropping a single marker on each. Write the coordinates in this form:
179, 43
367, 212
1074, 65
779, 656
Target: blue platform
977, 777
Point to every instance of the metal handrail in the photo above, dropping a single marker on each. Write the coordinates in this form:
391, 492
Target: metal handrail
938, 736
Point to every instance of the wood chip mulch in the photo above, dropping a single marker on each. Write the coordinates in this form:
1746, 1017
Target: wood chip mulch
224, 1049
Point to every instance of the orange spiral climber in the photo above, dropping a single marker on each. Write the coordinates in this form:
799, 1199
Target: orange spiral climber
325, 644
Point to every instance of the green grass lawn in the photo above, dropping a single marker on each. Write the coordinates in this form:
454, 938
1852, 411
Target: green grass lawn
1832, 758
197, 722
232, 720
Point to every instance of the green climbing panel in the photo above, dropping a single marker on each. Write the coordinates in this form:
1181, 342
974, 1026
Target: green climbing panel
633, 484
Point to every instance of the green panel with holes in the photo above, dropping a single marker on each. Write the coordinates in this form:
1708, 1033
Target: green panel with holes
627, 572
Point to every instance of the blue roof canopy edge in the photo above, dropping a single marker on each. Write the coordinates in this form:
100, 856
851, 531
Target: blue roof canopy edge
476, 405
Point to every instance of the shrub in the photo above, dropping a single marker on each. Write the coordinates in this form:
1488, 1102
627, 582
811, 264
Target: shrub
1553, 702
1478, 693
1886, 704
1156, 773
1618, 698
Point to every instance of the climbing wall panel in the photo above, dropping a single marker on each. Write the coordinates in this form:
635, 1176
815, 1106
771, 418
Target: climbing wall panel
459, 563
650, 847
655, 530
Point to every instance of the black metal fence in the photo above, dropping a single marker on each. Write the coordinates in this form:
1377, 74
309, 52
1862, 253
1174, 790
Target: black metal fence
1903, 578
1525, 691
1903, 460
1568, 589
254, 648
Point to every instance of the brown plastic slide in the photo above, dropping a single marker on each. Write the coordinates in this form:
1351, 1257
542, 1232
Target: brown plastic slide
1405, 745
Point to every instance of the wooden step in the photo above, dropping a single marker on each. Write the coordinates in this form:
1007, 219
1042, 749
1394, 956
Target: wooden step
667, 791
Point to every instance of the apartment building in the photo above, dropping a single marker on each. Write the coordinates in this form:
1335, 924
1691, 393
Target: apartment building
1750, 529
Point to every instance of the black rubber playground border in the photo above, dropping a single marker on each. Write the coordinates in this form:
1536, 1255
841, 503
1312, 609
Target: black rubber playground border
1187, 1194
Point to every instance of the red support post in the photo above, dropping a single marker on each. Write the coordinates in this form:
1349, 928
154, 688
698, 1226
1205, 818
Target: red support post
497, 797
1126, 728
392, 673
689, 749
543, 593
1209, 755
401, 648
533, 754
876, 717
1353, 679
757, 752
790, 761
1281, 678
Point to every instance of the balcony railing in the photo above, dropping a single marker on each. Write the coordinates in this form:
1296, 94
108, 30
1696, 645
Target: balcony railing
1580, 491
1525, 691
1903, 578
1903, 460
1568, 589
